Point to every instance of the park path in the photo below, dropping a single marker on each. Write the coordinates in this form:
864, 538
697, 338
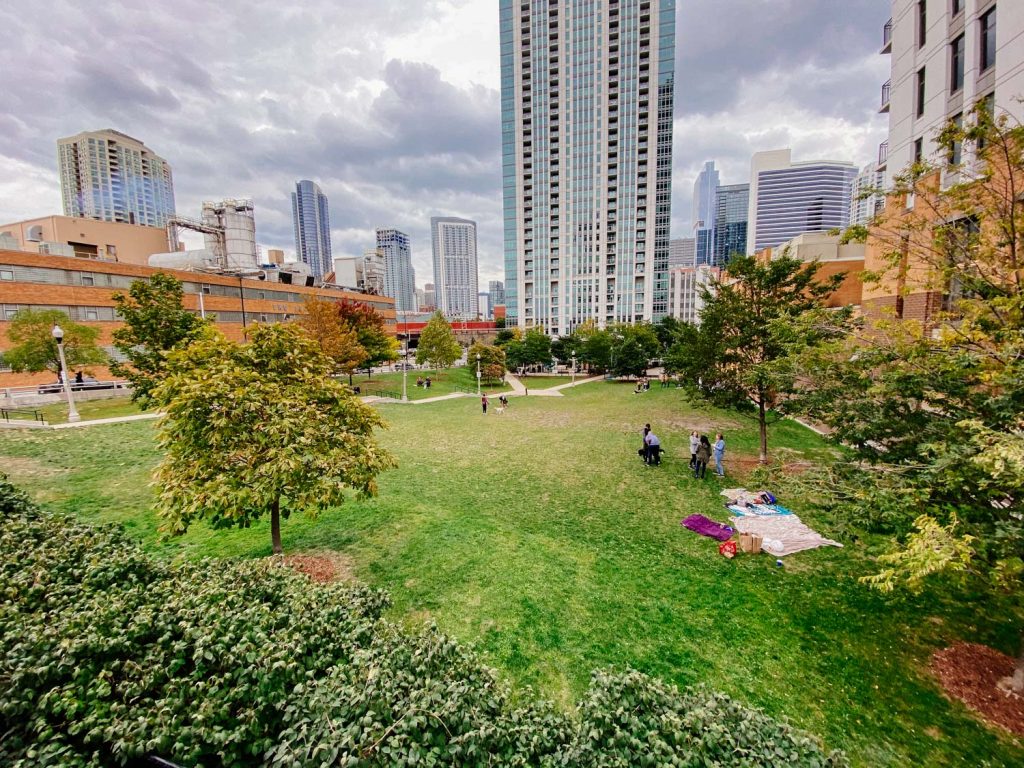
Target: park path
76, 424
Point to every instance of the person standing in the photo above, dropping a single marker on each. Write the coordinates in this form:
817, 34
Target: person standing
694, 444
653, 448
483, 403
643, 447
719, 454
703, 454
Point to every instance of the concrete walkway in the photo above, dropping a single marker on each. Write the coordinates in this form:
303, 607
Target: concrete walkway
77, 424
453, 396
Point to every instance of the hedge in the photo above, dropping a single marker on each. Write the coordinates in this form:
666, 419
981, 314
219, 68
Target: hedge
108, 655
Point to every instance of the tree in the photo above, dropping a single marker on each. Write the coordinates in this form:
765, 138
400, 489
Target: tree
34, 348
597, 348
932, 412
336, 338
379, 345
668, 330
505, 335
492, 361
746, 325
260, 429
155, 322
636, 346
563, 348
534, 348
438, 346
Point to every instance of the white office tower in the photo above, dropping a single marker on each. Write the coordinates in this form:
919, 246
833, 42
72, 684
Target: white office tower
705, 205
868, 198
109, 176
455, 266
399, 276
948, 55
586, 106
237, 232
788, 199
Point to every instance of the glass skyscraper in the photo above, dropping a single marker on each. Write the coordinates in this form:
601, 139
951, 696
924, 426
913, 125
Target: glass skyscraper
399, 276
731, 204
705, 206
109, 176
312, 227
587, 98
455, 266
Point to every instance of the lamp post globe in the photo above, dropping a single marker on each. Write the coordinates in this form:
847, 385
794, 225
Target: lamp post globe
58, 336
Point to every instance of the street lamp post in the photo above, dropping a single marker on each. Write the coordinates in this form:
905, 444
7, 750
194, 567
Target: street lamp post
58, 336
405, 365
574, 368
478, 374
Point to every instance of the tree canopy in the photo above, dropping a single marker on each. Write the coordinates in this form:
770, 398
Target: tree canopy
379, 345
34, 348
155, 322
438, 346
260, 429
534, 348
492, 361
337, 339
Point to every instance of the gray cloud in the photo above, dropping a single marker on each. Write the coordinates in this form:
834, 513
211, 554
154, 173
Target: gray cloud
393, 105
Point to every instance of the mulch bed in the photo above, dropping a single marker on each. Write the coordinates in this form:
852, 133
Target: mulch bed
970, 673
321, 568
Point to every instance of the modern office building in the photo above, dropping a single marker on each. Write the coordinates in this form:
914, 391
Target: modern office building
429, 297
495, 296
682, 252
312, 221
947, 55
586, 104
788, 199
732, 203
867, 198
455, 266
109, 176
705, 206
399, 276
483, 306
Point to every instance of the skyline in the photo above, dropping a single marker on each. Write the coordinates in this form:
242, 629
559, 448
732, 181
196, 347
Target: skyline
395, 109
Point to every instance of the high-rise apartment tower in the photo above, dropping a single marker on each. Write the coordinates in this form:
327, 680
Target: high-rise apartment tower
455, 266
109, 176
732, 203
586, 106
312, 222
399, 277
705, 206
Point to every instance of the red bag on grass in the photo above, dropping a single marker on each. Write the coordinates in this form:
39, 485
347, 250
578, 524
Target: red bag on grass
727, 548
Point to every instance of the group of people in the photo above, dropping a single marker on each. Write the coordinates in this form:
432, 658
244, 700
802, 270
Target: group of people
421, 382
642, 385
650, 452
502, 403
702, 451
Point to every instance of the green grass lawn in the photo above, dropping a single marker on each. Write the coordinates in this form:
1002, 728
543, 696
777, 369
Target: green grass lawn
442, 383
540, 537
57, 413
545, 382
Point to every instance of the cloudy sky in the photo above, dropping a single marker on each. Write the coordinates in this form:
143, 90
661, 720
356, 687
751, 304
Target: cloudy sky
393, 105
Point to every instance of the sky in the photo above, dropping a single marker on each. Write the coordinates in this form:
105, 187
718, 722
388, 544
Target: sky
393, 107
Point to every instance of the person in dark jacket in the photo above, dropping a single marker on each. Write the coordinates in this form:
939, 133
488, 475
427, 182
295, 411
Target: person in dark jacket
703, 456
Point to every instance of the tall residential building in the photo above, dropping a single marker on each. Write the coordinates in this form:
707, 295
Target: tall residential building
682, 252
788, 199
705, 206
867, 199
947, 55
731, 210
483, 305
399, 276
312, 227
108, 176
495, 296
586, 106
429, 296
686, 291
455, 266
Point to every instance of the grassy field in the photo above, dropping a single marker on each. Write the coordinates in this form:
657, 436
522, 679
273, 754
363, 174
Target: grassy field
539, 536
540, 381
57, 413
442, 383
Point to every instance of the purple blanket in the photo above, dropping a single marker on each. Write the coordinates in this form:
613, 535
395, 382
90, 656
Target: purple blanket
707, 527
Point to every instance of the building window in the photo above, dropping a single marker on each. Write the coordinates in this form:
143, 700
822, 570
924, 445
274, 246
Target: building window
988, 40
6, 274
92, 314
988, 106
958, 5
956, 148
920, 92
206, 290
922, 22
918, 150
956, 65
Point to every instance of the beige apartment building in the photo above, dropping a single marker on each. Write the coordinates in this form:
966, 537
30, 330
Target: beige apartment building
85, 238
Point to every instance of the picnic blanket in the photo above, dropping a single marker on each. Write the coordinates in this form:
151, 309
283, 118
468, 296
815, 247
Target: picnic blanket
708, 527
783, 534
758, 510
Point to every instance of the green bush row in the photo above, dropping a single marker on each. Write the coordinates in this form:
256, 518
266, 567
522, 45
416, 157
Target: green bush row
108, 655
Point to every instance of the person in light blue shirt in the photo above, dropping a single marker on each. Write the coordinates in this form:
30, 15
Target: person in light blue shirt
719, 454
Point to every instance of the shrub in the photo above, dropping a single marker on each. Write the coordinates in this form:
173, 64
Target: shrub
108, 655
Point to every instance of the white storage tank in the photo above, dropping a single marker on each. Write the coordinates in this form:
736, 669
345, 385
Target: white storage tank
235, 218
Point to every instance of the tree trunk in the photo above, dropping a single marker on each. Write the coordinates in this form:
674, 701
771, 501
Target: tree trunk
275, 527
762, 424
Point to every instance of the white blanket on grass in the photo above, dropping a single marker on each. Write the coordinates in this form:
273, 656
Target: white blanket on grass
782, 535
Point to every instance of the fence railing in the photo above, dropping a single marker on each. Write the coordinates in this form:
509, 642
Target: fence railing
886, 95
14, 394
388, 393
887, 34
19, 414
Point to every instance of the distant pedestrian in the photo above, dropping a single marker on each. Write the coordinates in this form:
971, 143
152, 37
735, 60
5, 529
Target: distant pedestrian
483, 403
694, 445
79, 378
700, 468
719, 454
427, 383
643, 445
419, 381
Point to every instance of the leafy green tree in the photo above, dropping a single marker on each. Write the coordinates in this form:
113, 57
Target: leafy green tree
336, 338
636, 346
438, 346
155, 322
597, 350
260, 429
668, 329
492, 361
34, 349
534, 348
563, 348
371, 332
746, 326
932, 416
505, 335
